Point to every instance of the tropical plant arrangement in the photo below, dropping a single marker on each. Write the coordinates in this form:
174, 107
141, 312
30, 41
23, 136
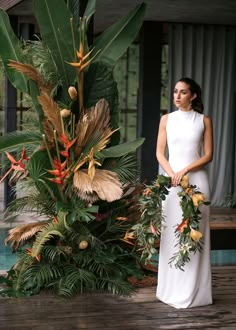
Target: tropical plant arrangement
70, 166
147, 232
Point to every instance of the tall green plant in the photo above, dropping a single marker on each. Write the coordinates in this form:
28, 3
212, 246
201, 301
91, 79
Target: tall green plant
77, 178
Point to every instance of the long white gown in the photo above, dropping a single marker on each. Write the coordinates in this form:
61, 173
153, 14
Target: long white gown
191, 287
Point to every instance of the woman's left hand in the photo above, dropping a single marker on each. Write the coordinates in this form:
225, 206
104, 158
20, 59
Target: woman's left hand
177, 177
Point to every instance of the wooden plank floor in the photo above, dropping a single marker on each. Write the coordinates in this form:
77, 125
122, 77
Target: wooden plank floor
140, 312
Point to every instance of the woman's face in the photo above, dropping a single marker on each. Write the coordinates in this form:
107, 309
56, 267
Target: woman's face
183, 96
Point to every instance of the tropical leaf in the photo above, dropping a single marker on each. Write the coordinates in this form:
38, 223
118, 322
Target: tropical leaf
113, 42
19, 139
115, 286
56, 32
121, 149
99, 84
10, 49
89, 10
75, 280
125, 167
46, 234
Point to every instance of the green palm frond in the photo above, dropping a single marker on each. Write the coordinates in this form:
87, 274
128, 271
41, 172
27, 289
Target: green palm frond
54, 253
48, 233
125, 167
75, 280
18, 140
41, 275
116, 286
36, 203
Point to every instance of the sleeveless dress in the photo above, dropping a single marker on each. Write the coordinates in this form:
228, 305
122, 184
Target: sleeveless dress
191, 287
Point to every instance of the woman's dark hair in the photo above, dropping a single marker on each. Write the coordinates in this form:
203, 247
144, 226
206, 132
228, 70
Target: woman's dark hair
194, 88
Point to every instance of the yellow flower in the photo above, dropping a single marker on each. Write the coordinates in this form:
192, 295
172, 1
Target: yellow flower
198, 199
195, 235
189, 191
184, 182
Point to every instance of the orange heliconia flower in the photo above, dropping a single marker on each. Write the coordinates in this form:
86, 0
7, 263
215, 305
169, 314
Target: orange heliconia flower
16, 165
68, 144
59, 172
182, 226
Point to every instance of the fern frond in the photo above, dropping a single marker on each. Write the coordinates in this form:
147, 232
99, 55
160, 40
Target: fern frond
46, 234
116, 286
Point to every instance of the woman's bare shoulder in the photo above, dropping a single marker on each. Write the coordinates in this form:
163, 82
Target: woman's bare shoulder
164, 119
207, 119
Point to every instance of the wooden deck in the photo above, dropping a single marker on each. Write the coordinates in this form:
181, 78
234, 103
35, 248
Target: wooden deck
142, 311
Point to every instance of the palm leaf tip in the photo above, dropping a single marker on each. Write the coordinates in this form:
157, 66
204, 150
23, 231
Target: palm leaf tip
105, 185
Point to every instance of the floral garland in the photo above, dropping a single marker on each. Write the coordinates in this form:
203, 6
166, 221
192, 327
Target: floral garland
147, 231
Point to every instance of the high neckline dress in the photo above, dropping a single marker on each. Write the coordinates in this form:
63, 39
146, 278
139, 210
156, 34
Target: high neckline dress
191, 287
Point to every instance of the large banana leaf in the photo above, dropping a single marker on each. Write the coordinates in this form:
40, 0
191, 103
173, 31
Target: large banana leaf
121, 149
19, 139
99, 83
112, 43
10, 49
54, 22
74, 7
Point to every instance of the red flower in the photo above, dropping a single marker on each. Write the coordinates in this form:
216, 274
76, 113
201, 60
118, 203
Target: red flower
68, 144
16, 165
59, 172
182, 226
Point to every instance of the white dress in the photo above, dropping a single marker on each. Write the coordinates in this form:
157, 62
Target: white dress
191, 287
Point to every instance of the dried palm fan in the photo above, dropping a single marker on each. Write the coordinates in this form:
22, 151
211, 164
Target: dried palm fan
21, 234
96, 119
105, 185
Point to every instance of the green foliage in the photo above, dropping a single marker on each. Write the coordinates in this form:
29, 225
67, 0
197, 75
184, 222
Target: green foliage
147, 231
80, 244
113, 42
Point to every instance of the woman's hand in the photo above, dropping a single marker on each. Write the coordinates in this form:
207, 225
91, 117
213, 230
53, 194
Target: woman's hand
177, 177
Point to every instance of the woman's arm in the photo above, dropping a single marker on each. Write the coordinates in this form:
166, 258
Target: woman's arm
161, 146
207, 153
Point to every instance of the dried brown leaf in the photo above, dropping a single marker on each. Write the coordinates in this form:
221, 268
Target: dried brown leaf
19, 235
51, 111
105, 185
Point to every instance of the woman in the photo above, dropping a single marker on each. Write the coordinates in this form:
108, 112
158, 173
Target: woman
188, 135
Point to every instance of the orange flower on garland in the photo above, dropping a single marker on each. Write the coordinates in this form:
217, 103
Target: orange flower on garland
183, 225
